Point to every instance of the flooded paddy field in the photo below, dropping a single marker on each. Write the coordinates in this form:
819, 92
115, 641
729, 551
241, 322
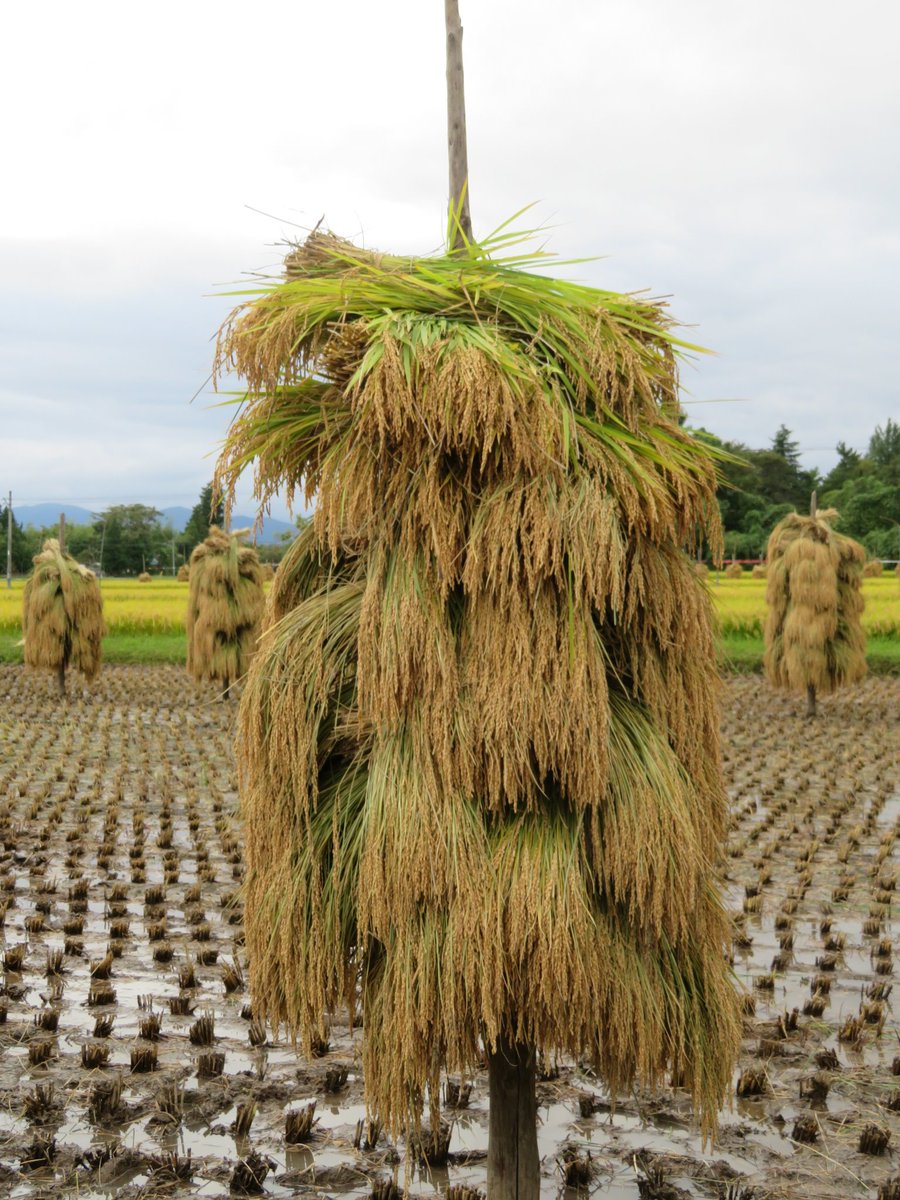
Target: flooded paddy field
132, 1064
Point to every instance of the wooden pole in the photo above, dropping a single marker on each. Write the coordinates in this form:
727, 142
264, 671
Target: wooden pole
457, 146
62, 533
514, 1168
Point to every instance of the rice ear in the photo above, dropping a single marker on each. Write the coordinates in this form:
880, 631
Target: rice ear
62, 614
813, 633
479, 742
224, 607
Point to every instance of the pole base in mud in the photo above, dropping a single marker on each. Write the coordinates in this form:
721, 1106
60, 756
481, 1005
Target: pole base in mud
514, 1168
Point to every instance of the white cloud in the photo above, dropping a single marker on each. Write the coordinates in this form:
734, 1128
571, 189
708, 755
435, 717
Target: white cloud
741, 159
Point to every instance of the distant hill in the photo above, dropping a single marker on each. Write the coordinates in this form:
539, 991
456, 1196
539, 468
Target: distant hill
40, 515
177, 516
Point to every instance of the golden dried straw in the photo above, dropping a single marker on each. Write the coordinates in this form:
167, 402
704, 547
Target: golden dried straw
813, 633
479, 743
62, 614
225, 607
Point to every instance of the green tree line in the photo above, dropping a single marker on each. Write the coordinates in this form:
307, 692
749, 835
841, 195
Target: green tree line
763, 485
758, 488
125, 539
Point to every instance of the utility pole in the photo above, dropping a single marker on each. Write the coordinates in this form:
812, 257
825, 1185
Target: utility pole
9, 540
173, 558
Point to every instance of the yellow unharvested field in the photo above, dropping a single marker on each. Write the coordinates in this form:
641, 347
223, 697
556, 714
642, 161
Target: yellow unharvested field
160, 606
128, 606
741, 604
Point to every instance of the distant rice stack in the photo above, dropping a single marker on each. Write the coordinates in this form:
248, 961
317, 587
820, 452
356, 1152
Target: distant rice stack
184, 573
145, 577
759, 571
701, 570
734, 571
62, 615
873, 569
224, 609
813, 634
485, 708
268, 572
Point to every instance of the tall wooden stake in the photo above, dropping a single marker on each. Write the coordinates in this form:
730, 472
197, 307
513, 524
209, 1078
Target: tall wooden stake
514, 1168
457, 147
811, 687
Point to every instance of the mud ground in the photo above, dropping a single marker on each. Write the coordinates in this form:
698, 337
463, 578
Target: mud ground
131, 1063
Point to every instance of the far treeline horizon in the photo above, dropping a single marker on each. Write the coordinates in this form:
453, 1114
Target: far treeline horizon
756, 492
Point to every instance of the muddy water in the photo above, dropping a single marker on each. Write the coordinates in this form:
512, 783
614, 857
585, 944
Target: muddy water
118, 833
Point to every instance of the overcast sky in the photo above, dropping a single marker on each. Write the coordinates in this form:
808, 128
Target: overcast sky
741, 159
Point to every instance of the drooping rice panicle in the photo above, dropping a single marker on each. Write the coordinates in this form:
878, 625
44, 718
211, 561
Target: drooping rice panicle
479, 742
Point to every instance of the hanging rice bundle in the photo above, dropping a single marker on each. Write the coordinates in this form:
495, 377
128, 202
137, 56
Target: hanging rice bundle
813, 634
225, 607
734, 570
873, 569
62, 615
184, 573
479, 743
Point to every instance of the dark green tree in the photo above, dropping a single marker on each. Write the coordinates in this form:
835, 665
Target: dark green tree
884, 452
782, 480
785, 447
203, 514
867, 505
83, 543
21, 550
850, 465
132, 538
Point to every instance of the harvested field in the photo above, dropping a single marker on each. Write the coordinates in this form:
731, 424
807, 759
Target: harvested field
132, 1064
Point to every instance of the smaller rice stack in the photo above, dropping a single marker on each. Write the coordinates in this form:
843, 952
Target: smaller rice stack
734, 571
814, 636
225, 607
62, 614
184, 573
